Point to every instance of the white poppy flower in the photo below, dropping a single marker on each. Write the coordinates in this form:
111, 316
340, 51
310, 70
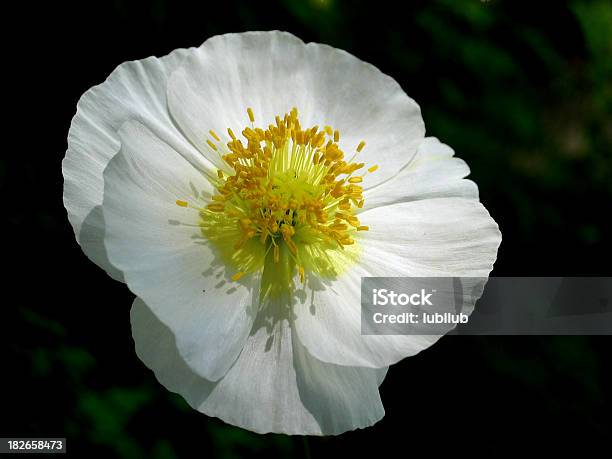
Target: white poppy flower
241, 190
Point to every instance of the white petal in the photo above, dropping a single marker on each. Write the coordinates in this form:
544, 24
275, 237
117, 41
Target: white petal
274, 71
340, 397
434, 237
434, 172
275, 385
165, 260
329, 323
134, 90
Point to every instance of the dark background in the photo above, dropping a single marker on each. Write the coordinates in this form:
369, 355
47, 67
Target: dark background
521, 90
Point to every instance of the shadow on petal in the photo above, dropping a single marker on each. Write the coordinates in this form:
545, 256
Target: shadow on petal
91, 239
156, 347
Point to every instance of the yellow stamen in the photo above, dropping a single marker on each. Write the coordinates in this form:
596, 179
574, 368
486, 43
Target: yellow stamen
216, 207
360, 146
182, 203
212, 145
286, 189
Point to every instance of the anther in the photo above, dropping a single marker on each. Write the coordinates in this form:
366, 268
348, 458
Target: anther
212, 145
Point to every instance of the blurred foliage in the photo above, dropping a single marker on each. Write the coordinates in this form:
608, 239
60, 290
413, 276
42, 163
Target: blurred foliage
523, 93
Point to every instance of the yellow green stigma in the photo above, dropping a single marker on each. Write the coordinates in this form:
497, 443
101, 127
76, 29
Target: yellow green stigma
285, 204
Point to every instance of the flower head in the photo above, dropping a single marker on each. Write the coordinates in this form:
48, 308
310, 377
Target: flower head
241, 190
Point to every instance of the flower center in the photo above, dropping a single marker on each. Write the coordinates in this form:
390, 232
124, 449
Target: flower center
286, 201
